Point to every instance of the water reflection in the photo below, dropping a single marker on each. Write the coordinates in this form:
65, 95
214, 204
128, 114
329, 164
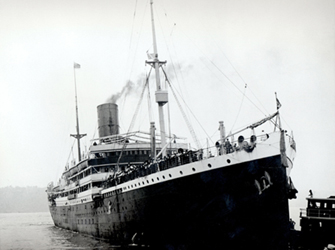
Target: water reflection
37, 231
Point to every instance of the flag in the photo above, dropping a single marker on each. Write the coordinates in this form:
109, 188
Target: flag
278, 103
76, 65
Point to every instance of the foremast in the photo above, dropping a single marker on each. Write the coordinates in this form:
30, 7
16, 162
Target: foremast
78, 136
161, 94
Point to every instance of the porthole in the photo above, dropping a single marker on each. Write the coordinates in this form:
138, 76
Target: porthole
139, 184
163, 177
170, 175
228, 160
152, 180
193, 169
147, 181
143, 182
157, 179
209, 165
181, 172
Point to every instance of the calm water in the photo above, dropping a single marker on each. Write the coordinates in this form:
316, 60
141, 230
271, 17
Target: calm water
37, 231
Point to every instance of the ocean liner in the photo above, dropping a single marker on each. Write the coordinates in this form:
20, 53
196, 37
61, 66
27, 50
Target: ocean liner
150, 189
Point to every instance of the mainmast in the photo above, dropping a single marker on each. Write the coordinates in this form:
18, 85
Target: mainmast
161, 95
78, 136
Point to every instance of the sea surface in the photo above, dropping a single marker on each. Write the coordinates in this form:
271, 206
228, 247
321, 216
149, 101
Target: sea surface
37, 231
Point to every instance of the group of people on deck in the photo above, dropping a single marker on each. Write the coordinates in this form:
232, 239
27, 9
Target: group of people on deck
227, 147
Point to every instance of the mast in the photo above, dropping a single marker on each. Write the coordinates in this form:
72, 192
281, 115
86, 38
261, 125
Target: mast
161, 95
278, 105
78, 136
153, 140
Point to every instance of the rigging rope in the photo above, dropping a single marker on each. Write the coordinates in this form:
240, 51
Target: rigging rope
240, 77
239, 110
182, 111
222, 73
243, 92
132, 27
137, 42
71, 151
133, 120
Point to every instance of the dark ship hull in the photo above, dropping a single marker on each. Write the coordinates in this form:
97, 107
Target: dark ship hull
218, 208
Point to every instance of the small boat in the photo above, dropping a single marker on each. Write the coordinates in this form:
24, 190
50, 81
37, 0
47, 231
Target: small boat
317, 223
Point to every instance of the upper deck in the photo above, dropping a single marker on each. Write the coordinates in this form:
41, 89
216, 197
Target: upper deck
319, 209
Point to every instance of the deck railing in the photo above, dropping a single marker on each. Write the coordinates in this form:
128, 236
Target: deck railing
317, 212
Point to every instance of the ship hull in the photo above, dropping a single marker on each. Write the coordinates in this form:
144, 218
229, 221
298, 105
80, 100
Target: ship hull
240, 206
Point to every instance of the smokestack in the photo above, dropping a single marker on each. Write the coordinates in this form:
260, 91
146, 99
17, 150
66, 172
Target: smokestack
108, 119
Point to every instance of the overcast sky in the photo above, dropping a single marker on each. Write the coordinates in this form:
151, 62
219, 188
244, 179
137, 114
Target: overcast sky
226, 58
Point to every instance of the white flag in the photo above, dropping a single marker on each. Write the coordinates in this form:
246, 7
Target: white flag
76, 66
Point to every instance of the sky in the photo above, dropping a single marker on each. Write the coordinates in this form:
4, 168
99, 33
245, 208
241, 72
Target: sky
225, 59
